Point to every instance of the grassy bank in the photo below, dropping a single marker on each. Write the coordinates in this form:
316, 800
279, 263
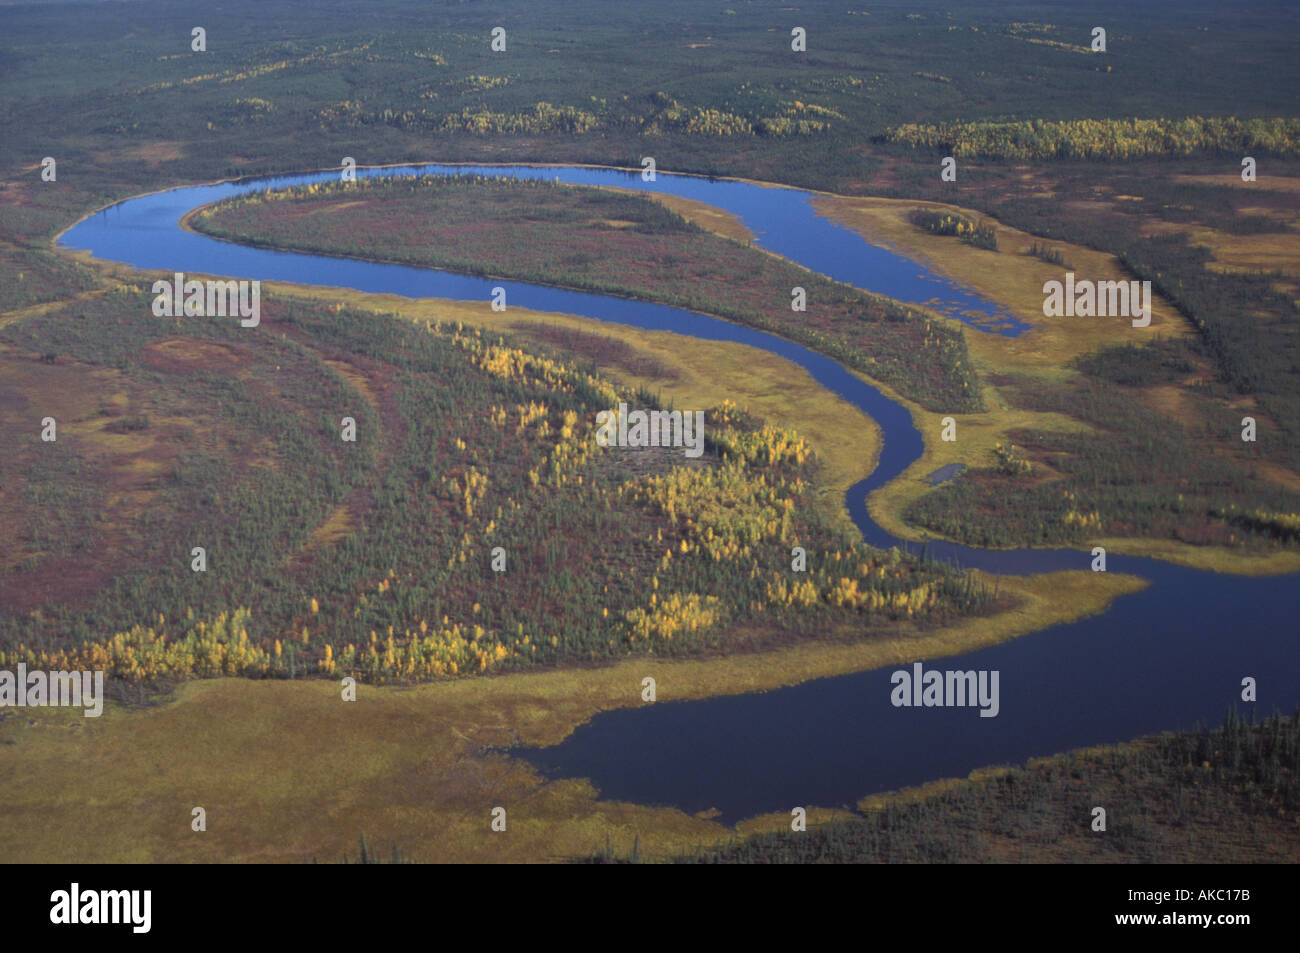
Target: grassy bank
1048, 393
288, 772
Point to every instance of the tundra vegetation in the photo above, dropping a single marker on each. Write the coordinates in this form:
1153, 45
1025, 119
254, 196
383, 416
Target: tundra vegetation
166, 428
1129, 472
375, 558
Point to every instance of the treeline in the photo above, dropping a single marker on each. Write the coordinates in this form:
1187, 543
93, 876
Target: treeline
665, 114
1226, 795
1108, 139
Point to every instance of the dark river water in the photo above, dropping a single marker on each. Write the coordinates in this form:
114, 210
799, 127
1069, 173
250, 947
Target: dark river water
1164, 658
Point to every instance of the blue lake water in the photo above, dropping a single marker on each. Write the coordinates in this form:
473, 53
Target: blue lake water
1160, 659
945, 473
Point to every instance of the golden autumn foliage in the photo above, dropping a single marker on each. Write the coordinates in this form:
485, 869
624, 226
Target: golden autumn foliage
1283, 525
724, 510
543, 117
222, 647
1011, 460
677, 615
766, 446
1104, 138
207, 649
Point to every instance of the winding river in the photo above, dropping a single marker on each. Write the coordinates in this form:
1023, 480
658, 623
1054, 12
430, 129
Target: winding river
1163, 658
